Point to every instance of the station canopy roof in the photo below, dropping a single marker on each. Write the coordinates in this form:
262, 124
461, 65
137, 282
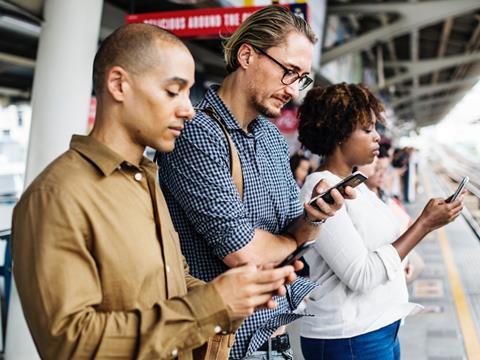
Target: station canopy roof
426, 54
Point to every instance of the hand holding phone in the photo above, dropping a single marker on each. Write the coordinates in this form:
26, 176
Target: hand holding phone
458, 191
296, 254
353, 180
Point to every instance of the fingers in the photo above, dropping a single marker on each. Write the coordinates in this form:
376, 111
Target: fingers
266, 288
281, 291
291, 278
267, 266
271, 304
273, 275
324, 210
350, 193
298, 265
254, 302
321, 187
338, 198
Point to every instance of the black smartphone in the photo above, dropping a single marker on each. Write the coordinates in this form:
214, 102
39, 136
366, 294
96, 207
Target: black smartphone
457, 192
296, 254
353, 180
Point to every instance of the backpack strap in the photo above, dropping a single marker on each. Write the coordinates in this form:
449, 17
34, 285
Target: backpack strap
235, 164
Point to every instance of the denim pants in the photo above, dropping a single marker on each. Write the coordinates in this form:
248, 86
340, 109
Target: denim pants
273, 355
379, 344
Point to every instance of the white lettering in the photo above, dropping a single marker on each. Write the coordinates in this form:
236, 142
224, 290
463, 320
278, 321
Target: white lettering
171, 24
231, 19
204, 21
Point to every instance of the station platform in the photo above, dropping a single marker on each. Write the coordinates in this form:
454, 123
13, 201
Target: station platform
448, 288
448, 327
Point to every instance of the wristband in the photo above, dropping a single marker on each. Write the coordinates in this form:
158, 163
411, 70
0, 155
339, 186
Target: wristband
312, 222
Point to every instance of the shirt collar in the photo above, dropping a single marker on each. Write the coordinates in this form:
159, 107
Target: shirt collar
101, 155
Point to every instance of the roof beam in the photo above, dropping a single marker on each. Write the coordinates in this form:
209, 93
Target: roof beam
442, 48
471, 46
412, 16
424, 105
11, 92
424, 117
427, 66
432, 89
17, 60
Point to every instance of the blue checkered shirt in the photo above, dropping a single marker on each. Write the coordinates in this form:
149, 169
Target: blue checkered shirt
209, 216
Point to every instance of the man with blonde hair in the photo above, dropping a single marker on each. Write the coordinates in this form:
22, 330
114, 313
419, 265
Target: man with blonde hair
96, 258
223, 222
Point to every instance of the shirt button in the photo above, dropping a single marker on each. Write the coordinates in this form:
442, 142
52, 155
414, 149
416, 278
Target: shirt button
174, 352
217, 329
138, 176
167, 268
224, 332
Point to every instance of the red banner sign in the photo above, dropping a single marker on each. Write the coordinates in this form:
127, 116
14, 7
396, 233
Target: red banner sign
209, 22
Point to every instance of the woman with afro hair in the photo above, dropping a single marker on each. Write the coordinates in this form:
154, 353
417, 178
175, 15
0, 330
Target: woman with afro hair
357, 258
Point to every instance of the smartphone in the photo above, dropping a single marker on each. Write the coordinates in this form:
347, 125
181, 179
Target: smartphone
353, 180
297, 254
457, 192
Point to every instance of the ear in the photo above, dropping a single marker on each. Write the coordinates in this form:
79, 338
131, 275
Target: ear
117, 82
245, 55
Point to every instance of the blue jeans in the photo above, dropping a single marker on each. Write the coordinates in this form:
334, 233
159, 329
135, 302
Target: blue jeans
379, 344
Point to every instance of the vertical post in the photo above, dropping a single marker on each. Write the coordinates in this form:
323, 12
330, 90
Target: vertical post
60, 104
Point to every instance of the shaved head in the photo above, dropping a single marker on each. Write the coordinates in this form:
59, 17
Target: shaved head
132, 48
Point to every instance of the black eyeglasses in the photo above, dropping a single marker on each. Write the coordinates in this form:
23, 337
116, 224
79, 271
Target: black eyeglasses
289, 76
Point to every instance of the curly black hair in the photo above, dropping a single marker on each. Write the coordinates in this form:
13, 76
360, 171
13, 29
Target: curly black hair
328, 115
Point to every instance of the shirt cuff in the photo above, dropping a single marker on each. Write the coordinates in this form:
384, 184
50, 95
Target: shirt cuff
300, 289
233, 239
205, 306
209, 308
391, 260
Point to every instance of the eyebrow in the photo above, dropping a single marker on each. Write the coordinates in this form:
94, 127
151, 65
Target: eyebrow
296, 68
178, 80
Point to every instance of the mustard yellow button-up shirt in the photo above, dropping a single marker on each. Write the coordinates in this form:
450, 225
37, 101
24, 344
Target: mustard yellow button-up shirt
98, 266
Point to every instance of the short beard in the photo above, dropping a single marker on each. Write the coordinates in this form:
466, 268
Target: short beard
259, 107
263, 110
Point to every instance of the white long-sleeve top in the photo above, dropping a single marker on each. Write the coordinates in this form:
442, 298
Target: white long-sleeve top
362, 283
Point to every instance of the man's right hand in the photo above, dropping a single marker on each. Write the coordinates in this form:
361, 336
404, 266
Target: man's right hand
246, 288
323, 210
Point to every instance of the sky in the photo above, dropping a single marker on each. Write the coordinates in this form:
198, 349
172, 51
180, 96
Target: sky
461, 126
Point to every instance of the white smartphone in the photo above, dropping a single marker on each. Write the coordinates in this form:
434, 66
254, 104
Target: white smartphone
457, 192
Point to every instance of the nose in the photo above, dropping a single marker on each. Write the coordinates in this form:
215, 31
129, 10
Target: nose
187, 111
376, 136
292, 90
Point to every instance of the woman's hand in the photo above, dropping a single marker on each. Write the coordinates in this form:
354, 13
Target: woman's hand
438, 213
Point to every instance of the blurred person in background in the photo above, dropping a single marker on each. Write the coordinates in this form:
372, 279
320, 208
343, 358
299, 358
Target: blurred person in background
399, 164
358, 254
300, 166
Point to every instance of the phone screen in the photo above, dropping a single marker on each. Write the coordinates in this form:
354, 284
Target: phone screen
352, 180
296, 254
459, 189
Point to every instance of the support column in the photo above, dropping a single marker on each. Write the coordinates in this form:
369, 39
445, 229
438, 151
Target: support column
60, 104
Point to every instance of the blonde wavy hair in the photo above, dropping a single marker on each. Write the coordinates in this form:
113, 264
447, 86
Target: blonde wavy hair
264, 29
